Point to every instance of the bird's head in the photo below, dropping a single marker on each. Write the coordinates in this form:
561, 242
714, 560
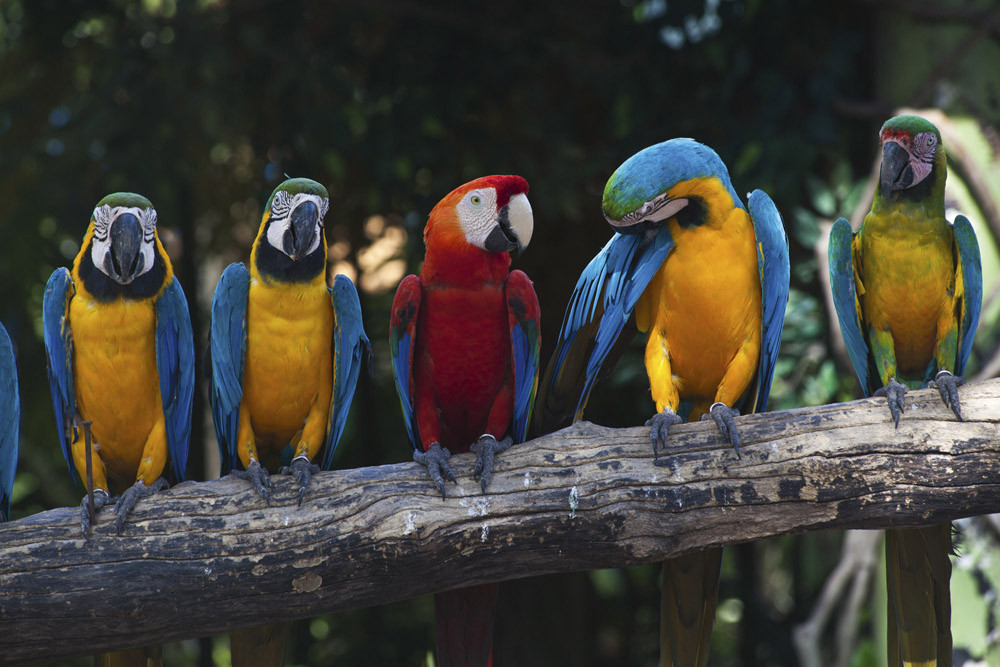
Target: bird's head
679, 178
491, 213
290, 243
911, 153
123, 245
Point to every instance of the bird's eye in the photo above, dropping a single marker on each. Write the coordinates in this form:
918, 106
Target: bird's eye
476, 200
930, 140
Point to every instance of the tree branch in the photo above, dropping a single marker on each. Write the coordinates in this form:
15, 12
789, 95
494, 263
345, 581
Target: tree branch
208, 557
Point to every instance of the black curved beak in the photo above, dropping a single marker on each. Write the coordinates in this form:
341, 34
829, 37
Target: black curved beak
302, 230
502, 238
124, 262
895, 173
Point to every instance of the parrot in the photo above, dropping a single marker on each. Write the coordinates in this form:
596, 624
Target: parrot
10, 419
464, 337
908, 289
707, 280
120, 354
285, 355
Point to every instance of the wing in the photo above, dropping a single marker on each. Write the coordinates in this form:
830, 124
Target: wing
845, 301
402, 342
349, 342
524, 317
59, 357
10, 417
603, 300
175, 368
227, 345
971, 280
772, 264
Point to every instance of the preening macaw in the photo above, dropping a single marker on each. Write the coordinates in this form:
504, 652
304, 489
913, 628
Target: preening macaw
465, 339
707, 281
285, 348
10, 419
908, 289
121, 355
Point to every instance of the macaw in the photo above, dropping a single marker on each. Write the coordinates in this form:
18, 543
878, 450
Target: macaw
10, 419
120, 355
908, 289
285, 355
465, 338
707, 280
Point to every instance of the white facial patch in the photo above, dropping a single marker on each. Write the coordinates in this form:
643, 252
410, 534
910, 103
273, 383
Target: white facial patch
104, 217
282, 207
477, 213
661, 207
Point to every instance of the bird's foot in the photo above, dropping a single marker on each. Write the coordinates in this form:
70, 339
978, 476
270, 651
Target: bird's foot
894, 392
303, 470
435, 459
101, 498
659, 426
486, 449
723, 415
258, 478
948, 384
131, 496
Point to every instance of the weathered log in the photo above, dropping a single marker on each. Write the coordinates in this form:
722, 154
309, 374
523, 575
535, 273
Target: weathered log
208, 557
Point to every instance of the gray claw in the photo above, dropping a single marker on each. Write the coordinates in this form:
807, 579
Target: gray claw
101, 499
258, 478
660, 424
893, 392
131, 496
303, 470
723, 415
947, 384
486, 449
435, 459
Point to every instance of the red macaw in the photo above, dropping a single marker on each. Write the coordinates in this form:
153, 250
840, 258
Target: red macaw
465, 344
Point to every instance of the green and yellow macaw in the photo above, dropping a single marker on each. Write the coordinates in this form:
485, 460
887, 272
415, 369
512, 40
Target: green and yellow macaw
707, 280
908, 289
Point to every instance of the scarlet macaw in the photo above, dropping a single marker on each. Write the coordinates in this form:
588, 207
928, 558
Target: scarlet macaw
465, 341
707, 281
10, 418
285, 357
908, 289
121, 355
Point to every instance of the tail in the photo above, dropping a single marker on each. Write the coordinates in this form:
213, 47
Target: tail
464, 626
146, 656
918, 574
687, 608
263, 646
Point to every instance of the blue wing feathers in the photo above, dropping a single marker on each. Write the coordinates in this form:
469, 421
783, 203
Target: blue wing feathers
228, 353
402, 331
845, 300
10, 418
972, 280
175, 368
59, 356
773, 266
525, 338
350, 343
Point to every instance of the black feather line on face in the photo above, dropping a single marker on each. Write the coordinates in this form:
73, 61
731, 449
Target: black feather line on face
694, 214
105, 289
275, 264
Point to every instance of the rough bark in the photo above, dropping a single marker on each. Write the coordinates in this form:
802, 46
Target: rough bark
208, 557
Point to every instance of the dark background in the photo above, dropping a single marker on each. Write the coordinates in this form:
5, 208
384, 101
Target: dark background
203, 106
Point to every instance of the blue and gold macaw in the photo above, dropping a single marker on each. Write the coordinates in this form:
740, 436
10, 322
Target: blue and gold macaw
707, 281
120, 355
285, 357
10, 419
908, 289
